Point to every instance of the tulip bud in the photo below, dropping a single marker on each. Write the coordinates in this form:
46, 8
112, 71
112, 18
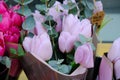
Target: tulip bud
84, 55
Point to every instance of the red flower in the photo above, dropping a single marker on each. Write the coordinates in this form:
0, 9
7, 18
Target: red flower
12, 35
2, 44
3, 7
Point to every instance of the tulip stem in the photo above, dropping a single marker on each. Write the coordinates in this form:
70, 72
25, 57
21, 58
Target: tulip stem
53, 42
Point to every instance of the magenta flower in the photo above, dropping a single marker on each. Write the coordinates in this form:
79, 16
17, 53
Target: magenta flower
17, 19
6, 22
114, 56
40, 46
84, 55
12, 35
3, 7
2, 44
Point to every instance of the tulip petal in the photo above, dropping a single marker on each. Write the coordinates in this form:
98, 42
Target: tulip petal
2, 44
84, 55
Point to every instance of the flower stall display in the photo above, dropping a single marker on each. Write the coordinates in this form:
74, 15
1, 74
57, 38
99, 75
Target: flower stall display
56, 37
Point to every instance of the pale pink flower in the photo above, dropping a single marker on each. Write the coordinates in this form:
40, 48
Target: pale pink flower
98, 6
66, 42
27, 43
40, 46
114, 56
84, 28
105, 69
38, 22
84, 55
69, 23
55, 11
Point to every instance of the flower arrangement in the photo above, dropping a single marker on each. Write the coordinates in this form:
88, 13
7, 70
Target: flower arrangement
59, 33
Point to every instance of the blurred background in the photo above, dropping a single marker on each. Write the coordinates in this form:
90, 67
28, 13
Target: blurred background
112, 30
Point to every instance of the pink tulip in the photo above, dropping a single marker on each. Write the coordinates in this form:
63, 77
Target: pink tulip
84, 28
98, 6
69, 22
27, 43
66, 42
3, 7
106, 69
40, 46
84, 55
12, 35
55, 11
114, 56
38, 21
2, 44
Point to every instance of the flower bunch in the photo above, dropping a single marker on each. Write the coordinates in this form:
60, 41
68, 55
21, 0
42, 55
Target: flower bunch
59, 36
58, 33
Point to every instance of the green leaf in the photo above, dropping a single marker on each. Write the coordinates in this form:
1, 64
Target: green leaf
44, 1
69, 6
82, 38
65, 6
93, 47
25, 10
23, 2
77, 44
29, 23
30, 35
41, 7
88, 12
90, 5
49, 17
46, 26
73, 11
65, 68
83, 2
20, 51
22, 36
53, 63
0, 18
60, 61
13, 51
6, 0
6, 61
51, 3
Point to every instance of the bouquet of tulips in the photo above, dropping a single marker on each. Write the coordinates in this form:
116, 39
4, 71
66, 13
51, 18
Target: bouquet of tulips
59, 33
